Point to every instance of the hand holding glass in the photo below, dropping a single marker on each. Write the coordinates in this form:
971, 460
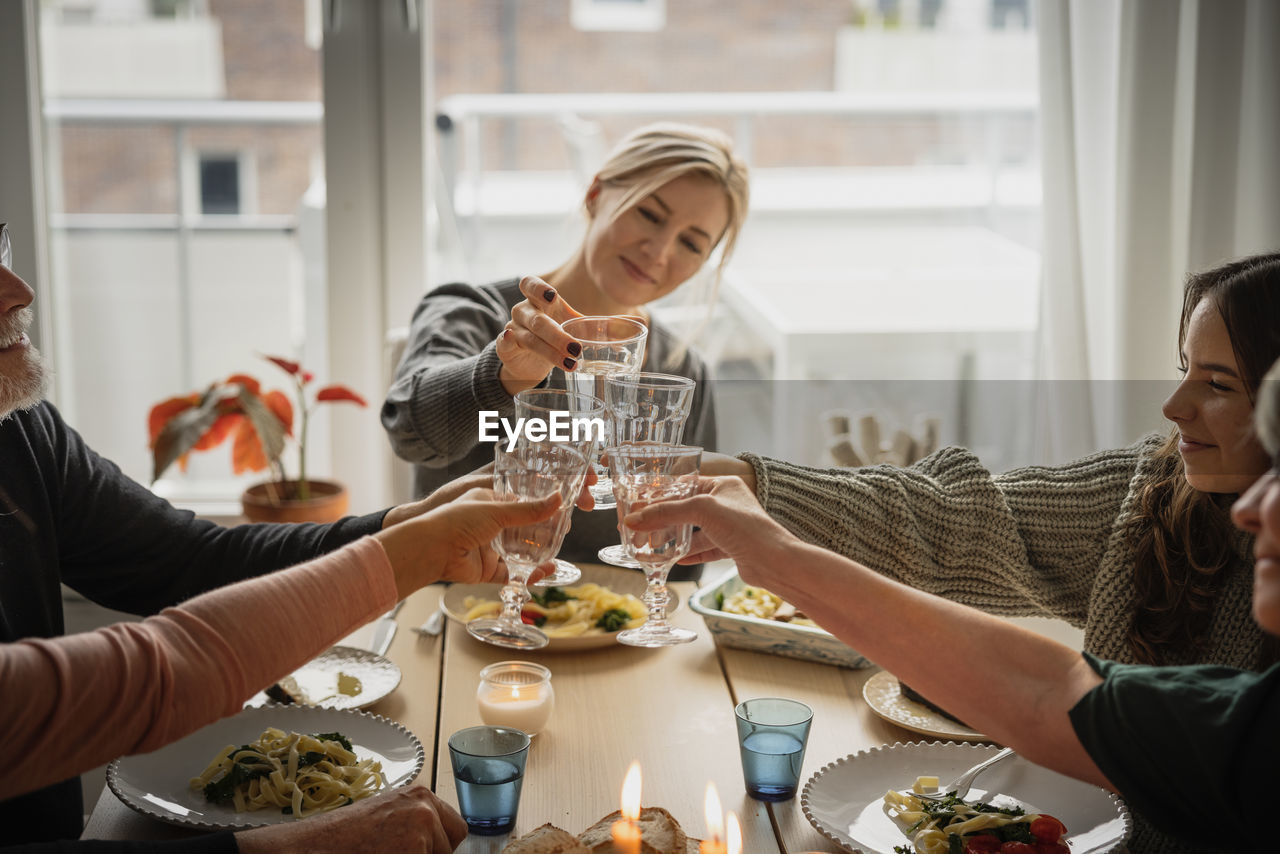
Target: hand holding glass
529, 471
583, 417
611, 346
642, 475
646, 407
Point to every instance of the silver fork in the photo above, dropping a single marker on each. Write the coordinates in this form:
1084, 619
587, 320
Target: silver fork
961, 785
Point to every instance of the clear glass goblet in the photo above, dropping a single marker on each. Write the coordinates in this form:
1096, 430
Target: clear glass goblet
578, 420
528, 471
646, 407
642, 475
611, 346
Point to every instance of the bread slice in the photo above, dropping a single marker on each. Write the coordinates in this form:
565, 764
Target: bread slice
660, 833
547, 839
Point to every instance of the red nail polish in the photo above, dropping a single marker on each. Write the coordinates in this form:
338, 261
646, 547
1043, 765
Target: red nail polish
549, 295
568, 364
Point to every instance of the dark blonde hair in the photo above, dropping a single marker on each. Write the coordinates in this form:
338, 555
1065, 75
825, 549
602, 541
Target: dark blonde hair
657, 154
1184, 536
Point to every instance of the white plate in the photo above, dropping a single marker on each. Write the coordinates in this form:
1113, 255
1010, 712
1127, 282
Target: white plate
845, 800
342, 677
883, 694
157, 784
618, 580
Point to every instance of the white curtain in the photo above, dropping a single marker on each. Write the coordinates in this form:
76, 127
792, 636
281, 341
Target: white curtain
1161, 129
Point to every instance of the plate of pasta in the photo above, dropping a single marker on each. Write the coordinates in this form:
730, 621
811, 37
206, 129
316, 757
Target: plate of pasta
846, 801
586, 615
268, 765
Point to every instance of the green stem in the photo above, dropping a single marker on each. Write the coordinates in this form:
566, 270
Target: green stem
304, 488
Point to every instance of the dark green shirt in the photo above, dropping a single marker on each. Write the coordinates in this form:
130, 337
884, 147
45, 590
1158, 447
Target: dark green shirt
1185, 745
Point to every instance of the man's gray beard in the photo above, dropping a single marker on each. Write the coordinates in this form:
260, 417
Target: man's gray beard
25, 387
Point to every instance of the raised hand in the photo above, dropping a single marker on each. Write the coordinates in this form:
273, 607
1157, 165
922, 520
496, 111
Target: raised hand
733, 525
454, 542
533, 342
481, 478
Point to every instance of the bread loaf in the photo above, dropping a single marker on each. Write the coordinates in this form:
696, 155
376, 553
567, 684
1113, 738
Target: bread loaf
547, 839
660, 833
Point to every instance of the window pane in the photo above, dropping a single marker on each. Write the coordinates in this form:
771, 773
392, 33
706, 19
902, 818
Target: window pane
890, 263
219, 185
182, 138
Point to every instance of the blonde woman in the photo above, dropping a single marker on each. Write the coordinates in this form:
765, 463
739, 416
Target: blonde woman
667, 196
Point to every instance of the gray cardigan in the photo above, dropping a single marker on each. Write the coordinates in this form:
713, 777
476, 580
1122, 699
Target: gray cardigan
449, 372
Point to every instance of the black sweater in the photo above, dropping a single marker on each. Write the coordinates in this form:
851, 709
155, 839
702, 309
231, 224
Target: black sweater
69, 516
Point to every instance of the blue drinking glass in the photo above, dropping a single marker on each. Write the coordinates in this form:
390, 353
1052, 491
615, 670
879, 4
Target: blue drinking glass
772, 735
488, 769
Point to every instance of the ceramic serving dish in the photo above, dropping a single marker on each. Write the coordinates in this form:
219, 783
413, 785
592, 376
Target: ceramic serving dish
759, 635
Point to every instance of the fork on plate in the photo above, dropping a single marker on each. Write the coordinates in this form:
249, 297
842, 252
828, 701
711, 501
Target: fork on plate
960, 785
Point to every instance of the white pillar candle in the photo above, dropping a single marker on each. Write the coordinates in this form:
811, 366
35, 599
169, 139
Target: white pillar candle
516, 694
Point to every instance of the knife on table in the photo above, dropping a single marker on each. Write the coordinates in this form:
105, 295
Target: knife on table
384, 629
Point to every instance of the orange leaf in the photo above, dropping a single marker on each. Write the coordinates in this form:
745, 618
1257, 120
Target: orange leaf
218, 432
164, 411
281, 408
339, 392
288, 365
246, 451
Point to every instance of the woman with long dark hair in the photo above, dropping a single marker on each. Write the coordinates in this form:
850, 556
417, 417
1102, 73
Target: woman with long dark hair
1134, 545
1184, 745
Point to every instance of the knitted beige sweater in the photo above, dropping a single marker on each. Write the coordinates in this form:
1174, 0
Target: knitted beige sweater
1044, 541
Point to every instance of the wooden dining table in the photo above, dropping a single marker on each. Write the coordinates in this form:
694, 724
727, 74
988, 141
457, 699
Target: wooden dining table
669, 708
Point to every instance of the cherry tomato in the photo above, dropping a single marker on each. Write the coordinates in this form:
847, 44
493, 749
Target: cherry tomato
1058, 847
529, 617
1018, 848
983, 843
1046, 828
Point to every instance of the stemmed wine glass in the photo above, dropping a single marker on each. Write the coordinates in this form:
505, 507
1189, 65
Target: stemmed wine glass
646, 407
645, 473
529, 471
581, 417
611, 346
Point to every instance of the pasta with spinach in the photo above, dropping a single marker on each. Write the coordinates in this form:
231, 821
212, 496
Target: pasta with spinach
296, 773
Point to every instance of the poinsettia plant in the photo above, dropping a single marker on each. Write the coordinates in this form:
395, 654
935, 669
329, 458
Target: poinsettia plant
257, 422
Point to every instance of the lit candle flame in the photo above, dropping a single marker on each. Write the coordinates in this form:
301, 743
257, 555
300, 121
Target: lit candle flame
631, 793
515, 692
715, 819
734, 833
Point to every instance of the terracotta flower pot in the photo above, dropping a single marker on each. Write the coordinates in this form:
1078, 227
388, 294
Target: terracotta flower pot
273, 501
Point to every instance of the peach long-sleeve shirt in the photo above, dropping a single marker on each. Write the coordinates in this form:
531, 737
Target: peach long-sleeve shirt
75, 702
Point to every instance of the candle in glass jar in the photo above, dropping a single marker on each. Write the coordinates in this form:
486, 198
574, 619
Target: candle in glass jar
516, 694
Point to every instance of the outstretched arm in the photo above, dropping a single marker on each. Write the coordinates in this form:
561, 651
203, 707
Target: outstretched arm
133, 687
1013, 684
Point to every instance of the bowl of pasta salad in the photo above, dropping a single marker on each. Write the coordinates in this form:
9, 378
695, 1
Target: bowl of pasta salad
753, 618
586, 615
